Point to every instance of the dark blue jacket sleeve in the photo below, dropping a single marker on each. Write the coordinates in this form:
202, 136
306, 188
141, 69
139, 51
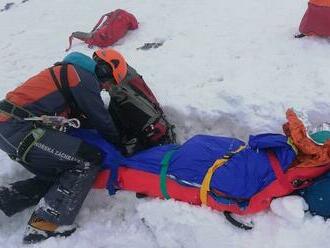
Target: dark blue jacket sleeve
88, 98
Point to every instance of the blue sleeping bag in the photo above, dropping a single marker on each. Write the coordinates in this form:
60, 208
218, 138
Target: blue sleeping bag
242, 176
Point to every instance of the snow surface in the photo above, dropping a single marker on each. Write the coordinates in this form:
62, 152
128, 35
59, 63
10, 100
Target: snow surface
226, 68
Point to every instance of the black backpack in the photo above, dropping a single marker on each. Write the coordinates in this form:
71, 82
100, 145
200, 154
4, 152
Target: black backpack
138, 116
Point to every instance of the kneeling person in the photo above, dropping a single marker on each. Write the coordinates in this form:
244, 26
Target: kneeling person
65, 166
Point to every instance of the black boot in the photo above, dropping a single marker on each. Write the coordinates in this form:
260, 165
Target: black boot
39, 230
22, 194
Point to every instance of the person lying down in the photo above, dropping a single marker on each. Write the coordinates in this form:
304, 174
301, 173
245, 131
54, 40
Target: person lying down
223, 173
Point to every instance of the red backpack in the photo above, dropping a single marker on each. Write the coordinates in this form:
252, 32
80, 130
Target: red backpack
106, 33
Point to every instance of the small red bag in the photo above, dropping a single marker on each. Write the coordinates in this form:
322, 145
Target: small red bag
115, 26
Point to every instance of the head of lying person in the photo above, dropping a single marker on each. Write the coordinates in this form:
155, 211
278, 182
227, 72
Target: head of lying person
321, 134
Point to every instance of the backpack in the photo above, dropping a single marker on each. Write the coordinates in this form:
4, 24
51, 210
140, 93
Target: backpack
138, 116
316, 20
317, 196
106, 33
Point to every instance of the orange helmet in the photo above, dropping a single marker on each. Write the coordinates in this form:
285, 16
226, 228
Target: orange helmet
115, 60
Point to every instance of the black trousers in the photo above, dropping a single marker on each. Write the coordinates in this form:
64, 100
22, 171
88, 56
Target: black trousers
65, 169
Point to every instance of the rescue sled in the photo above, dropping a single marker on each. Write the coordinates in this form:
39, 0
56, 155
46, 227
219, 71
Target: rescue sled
220, 172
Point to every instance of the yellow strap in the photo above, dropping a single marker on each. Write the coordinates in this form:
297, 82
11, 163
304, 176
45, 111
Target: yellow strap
205, 188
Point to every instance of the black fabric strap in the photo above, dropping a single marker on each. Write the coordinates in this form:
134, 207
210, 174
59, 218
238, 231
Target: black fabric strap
236, 223
64, 87
52, 73
13, 110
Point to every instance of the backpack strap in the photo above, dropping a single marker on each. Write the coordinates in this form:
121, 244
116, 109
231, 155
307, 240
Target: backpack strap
64, 87
70, 42
81, 36
87, 35
100, 21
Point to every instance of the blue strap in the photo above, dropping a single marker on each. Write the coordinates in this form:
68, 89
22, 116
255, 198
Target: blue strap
112, 184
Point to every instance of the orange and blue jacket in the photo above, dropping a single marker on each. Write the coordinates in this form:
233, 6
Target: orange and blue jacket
40, 96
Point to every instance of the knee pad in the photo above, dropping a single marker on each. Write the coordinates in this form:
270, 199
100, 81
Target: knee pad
89, 153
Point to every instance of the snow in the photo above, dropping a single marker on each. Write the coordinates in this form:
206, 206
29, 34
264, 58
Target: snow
226, 68
291, 207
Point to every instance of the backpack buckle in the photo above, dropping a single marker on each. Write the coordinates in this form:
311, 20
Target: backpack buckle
150, 130
298, 182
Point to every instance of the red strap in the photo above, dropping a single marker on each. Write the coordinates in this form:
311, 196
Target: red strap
96, 26
100, 21
70, 43
276, 166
